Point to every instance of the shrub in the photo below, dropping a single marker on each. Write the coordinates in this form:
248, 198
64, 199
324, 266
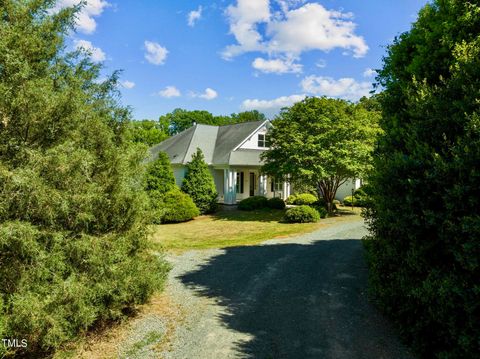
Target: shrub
252, 203
276, 203
424, 248
322, 211
304, 199
302, 214
199, 184
357, 201
174, 207
291, 199
336, 202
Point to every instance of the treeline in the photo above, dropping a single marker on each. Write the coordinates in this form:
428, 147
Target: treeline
151, 132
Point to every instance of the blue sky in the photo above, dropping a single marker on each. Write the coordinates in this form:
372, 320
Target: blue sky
234, 55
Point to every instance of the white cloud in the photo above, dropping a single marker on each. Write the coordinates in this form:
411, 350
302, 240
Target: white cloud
96, 53
208, 94
155, 53
271, 107
243, 19
194, 16
169, 92
345, 88
278, 66
127, 84
308, 27
85, 21
369, 73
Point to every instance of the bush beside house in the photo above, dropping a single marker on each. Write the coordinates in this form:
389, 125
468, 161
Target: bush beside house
302, 199
253, 203
276, 203
302, 214
175, 206
199, 184
168, 204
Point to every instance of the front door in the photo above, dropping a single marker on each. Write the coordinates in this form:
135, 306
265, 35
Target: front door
252, 184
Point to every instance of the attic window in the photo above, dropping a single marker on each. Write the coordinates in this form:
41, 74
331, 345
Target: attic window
263, 141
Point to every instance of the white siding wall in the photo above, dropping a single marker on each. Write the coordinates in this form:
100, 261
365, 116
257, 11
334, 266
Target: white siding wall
252, 142
346, 189
179, 173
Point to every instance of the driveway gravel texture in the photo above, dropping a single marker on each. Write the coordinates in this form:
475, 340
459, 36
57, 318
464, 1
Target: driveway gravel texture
299, 297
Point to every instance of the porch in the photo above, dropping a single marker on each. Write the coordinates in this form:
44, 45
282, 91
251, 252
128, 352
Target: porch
236, 184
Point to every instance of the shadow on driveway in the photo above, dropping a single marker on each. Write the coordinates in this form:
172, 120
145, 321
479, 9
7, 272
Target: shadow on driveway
298, 301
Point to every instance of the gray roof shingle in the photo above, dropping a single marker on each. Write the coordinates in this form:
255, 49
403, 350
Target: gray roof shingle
216, 143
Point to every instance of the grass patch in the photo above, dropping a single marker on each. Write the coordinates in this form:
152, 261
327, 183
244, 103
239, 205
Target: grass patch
230, 227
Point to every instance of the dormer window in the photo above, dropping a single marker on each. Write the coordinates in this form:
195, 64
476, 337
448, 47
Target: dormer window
263, 140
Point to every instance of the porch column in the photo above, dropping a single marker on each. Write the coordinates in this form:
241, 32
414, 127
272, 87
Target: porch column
286, 190
262, 188
229, 190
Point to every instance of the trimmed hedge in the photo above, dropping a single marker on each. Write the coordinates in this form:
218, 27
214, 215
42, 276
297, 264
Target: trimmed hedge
302, 214
252, 203
276, 203
302, 199
174, 207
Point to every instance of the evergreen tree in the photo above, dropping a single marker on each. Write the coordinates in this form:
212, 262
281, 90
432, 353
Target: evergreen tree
199, 184
424, 252
159, 176
73, 240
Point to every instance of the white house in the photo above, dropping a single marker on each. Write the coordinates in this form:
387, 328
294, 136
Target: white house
232, 153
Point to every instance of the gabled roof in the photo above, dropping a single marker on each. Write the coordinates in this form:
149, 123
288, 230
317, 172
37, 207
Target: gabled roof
216, 143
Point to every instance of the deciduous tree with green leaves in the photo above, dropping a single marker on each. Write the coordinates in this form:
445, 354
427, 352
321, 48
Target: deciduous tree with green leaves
73, 241
322, 142
199, 184
424, 251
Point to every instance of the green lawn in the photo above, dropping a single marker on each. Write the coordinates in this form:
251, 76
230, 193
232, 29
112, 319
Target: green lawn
234, 228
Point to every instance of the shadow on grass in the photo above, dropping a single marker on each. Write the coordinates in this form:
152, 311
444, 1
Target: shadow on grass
297, 301
260, 215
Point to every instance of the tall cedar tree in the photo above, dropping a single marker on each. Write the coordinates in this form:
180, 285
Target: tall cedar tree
159, 175
424, 252
322, 143
199, 184
73, 244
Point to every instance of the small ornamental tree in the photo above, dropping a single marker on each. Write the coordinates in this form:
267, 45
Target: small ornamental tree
159, 176
199, 184
322, 142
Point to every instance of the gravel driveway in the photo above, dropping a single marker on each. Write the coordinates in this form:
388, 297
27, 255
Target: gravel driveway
303, 297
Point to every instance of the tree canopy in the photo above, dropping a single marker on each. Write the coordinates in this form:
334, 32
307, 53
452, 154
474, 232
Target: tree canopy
148, 132
179, 120
322, 142
424, 252
73, 244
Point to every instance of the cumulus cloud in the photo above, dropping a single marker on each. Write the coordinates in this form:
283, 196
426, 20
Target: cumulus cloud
369, 73
194, 16
127, 84
308, 27
155, 53
345, 88
271, 107
169, 92
96, 53
208, 94
85, 21
278, 66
